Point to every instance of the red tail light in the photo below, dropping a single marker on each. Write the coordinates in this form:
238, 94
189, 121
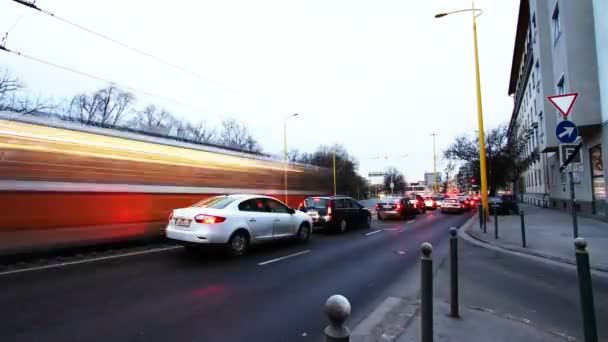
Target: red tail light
398, 206
170, 216
414, 204
208, 219
301, 205
329, 207
377, 206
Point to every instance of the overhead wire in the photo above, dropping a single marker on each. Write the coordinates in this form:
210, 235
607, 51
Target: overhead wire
32, 5
82, 73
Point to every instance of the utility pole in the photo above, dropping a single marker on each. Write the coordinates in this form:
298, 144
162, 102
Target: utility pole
434, 164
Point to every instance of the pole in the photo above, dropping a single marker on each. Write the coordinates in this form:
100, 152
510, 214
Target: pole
485, 220
573, 205
434, 165
285, 158
496, 222
586, 290
482, 144
426, 293
334, 157
454, 273
523, 228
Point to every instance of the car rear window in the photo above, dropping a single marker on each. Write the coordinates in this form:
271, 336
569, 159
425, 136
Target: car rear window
217, 202
315, 202
392, 200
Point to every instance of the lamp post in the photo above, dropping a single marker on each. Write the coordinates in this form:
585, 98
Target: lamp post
285, 151
482, 148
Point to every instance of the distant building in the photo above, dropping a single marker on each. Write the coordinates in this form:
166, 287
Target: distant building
429, 178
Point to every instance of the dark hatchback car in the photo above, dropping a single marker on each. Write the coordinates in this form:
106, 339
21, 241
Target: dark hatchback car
395, 207
336, 212
503, 204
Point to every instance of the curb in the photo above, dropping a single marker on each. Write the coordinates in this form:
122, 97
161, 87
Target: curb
483, 241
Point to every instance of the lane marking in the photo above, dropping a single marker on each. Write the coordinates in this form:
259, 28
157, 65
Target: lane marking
391, 229
374, 232
410, 221
86, 261
283, 258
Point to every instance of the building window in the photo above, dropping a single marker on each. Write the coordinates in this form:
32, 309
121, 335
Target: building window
534, 21
557, 30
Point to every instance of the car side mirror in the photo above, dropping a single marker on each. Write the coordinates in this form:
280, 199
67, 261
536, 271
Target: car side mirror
292, 211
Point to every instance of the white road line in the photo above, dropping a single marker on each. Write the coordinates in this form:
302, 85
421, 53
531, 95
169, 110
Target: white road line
86, 261
391, 229
374, 232
283, 258
410, 221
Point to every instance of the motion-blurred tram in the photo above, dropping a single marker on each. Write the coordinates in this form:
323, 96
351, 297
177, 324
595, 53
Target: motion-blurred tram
74, 185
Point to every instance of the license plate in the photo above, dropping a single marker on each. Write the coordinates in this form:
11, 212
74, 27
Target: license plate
387, 206
182, 222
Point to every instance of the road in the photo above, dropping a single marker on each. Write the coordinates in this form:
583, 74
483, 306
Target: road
176, 296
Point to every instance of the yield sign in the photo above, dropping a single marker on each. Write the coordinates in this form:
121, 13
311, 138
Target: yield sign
563, 103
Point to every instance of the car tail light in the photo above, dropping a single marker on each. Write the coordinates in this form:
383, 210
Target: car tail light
208, 219
414, 204
329, 207
398, 206
170, 216
377, 206
301, 205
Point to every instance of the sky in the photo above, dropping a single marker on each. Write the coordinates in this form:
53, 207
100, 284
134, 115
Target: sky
376, 76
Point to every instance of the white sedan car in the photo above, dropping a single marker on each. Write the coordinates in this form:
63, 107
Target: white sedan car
237, 221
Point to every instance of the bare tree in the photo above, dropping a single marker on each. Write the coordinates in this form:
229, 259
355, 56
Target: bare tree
154, 119
106, 106
393, 175
11, 100
200, 132
236, 135
293, 154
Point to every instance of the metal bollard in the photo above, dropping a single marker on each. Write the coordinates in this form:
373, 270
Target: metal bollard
485, 230
523, 228
337, 309
586, 290
480, 216
496, 222
426, 293
454, 273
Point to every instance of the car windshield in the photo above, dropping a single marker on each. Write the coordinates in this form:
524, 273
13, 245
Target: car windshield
316, 202
217, 202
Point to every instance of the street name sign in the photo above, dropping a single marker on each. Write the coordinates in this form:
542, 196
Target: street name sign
563, 102
566, 132
576, 165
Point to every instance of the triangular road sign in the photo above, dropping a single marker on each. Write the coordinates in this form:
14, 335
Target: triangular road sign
563, 103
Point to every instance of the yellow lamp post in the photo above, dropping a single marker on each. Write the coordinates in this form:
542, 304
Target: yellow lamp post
285, 152
482, 147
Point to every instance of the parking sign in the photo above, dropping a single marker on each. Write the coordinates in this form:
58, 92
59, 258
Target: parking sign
576, 165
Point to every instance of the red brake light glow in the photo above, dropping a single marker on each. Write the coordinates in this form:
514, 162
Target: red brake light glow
316, 199
208, 219
170, 216
398, 206
329, 207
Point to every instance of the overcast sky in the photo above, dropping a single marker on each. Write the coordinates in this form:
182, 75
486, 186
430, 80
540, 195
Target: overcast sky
376, 76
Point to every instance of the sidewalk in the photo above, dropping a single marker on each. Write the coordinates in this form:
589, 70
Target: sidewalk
548, 234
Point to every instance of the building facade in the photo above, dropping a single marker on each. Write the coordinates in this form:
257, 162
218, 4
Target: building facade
555, 53
429, 178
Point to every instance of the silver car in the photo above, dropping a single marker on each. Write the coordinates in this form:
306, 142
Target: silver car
236, 221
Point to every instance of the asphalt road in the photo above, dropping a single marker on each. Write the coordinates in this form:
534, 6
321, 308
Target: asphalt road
177, 296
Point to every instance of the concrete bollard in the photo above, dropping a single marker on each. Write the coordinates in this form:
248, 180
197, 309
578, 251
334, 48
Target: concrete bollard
426, 293
454, 272
586, 290
337, 309
523, 228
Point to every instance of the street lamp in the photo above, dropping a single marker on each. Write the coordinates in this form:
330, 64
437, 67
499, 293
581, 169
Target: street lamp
285, 151
434, 164
476, 12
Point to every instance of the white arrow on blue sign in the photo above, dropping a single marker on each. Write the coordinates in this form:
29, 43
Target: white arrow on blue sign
566, 132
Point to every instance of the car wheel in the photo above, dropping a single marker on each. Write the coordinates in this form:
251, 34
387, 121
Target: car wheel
304, 233
238, 244
368, 221
343, 227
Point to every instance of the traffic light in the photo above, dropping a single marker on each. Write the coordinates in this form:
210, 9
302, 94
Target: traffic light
473, 180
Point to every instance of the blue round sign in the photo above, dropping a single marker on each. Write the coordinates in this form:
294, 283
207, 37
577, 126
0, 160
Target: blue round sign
566, 132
